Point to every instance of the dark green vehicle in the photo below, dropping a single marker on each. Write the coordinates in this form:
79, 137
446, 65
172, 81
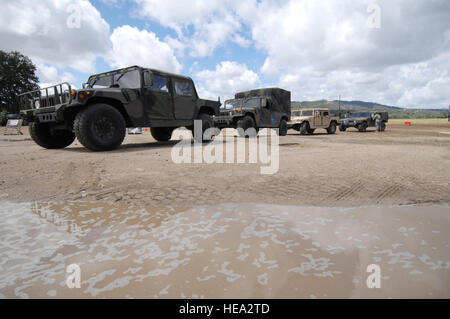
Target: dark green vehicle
261, 108
361, 121
99, 114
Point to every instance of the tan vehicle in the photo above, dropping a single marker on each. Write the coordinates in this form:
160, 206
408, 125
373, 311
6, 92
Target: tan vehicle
306, 121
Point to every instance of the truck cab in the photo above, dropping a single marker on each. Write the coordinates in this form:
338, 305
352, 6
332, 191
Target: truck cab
255, 109
99, 113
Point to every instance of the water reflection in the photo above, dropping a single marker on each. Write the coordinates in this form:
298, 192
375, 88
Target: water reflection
223, 251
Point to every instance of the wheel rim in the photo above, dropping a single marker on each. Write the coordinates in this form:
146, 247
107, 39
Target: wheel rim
104, 128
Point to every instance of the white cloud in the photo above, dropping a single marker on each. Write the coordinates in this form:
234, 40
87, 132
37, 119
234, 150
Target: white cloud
131, 46
201, 25
228, 78
40, 30
50, 74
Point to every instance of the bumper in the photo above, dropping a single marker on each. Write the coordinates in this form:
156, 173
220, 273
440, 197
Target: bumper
223, 121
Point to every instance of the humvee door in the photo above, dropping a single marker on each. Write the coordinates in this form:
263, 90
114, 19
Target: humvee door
158, 98
184, 98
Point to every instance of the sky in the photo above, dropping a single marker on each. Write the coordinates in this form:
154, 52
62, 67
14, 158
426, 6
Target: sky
390, 52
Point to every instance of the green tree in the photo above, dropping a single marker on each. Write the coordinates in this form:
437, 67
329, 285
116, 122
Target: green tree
17, 75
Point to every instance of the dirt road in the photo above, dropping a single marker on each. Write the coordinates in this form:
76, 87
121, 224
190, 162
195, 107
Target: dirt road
403, 165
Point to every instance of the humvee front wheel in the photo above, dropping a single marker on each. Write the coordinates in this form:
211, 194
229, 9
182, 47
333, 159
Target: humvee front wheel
45, 137
362, 127
283, 128
245, 126
304, 128
162, 134
100, 127
332, 128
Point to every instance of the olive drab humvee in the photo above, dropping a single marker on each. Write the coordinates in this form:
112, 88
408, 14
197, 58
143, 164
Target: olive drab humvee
361, 121
99, 114
255, 109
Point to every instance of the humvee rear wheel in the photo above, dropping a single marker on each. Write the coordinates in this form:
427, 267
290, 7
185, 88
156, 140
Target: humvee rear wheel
342, 128
244, 127
162, 134
207, 123
100, 127
283, 128
332, 128
44, 136
304, 128
362, 127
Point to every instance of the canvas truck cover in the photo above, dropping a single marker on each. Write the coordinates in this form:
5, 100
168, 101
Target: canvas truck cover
281, 99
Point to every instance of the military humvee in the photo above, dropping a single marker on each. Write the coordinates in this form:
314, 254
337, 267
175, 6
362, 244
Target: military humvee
306, 121
99, 114
261, 108
361, 121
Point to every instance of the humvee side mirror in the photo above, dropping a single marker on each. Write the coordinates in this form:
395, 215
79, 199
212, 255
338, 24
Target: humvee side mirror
148, 79
263, 102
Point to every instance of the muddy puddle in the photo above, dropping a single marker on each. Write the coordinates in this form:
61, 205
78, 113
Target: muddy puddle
223, 251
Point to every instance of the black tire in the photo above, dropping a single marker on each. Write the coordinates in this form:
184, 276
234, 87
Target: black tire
100, 127
162, 134
311, 131
244, 124
207, 123
362, 127
332, 128
383, 127
342, 128
282, 130
42, 134
304, 128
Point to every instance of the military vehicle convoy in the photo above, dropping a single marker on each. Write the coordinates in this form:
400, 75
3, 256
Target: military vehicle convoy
262, 108
99, 114
361, 121
307, 121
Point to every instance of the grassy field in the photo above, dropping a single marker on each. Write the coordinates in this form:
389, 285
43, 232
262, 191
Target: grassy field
427, 122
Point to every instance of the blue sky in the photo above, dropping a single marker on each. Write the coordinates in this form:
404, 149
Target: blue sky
390, 52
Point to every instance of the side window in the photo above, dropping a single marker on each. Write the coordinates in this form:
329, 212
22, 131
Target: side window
159, 83
326, 114
317, 113
183, 88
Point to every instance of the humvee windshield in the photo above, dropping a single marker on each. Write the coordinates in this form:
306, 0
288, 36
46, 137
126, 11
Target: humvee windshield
297, 113
232, 104
360, 115
307, 113
126, 80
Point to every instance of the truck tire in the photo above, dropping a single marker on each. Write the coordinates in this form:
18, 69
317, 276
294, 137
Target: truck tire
383, 126
207, 123
342, 128
332, 128
162, 134
100, 127
42, 134
362, 127
304, 128
311, 131
244, 124
283, 128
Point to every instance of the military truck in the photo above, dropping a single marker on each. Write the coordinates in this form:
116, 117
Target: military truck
307, 121
109, 102
361, 121
261, 108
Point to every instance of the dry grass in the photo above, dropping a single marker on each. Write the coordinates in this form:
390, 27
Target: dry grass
427, 122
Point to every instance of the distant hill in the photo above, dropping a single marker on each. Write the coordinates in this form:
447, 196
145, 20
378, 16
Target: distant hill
361, 106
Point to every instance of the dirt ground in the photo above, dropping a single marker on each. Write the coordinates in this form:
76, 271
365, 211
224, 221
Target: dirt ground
404, 165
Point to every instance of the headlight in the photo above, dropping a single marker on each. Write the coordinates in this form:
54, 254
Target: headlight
37, 104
